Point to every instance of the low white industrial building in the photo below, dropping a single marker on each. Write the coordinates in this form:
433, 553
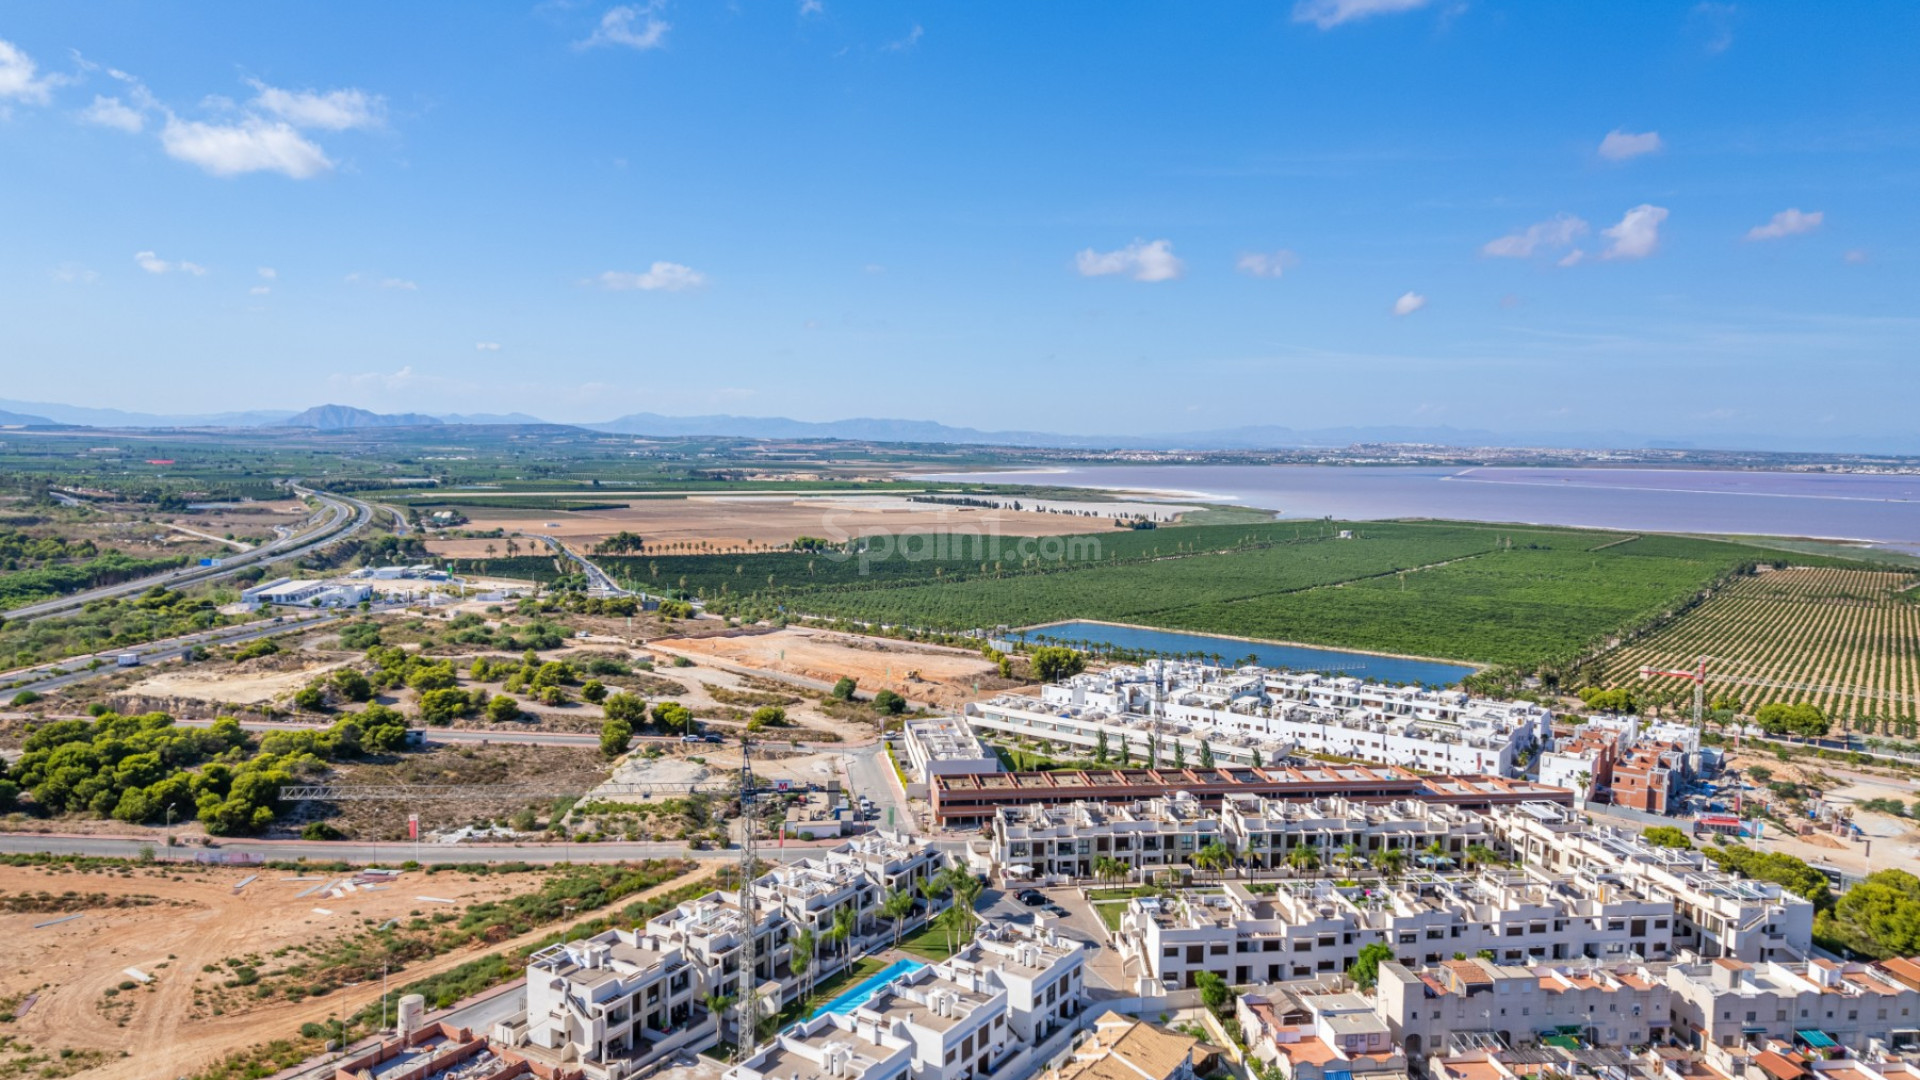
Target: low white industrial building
315, 592
942, 745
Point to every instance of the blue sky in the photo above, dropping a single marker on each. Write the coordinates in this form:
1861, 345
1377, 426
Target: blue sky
1675, 219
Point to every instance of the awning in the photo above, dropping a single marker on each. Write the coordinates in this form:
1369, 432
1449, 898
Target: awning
1019, 869
1818, 1040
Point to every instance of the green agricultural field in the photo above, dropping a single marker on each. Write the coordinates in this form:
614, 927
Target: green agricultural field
1490, 594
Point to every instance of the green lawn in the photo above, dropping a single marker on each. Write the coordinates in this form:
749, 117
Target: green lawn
930, 943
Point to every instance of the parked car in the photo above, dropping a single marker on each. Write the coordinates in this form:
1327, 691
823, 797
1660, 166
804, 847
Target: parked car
1031, 897
711, 738
693, 738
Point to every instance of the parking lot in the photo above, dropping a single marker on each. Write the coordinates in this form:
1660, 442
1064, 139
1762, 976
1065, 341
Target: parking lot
1078, 922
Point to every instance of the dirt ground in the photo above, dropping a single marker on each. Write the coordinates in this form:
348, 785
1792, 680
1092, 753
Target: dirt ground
236, 685
1889, 842
927, 673
200, 920
564, 769
754, 522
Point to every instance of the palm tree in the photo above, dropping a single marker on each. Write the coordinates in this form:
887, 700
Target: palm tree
717, 1005
1480, 855
1109, 869
1214, 856
1349, 853
966, 889
801, 962
896, 907
1436, 851
844, 921
1303, 857
1392, 861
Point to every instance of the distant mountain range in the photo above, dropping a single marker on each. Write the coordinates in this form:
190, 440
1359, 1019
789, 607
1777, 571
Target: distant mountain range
1259, 437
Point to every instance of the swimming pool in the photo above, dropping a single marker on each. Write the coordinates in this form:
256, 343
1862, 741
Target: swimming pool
851, 999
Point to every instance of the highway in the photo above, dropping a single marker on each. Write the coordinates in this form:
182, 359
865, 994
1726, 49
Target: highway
597, 580
75, 669
342, 518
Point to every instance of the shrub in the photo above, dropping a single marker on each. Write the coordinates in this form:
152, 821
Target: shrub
843, 689
890, 703
503, 709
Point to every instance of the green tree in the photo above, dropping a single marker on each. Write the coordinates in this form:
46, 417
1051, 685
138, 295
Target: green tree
1100, 747
444, 706
503, 709
594, 691
890, 703
1051, 663
1206, 754
615, 738
843, 689
1878, 918
1667, 836
672, 716
1179, 754
1365, 970
1215, 994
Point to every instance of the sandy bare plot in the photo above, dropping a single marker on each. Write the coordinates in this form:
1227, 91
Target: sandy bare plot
233, 688
751, 523
918, 672
200, 921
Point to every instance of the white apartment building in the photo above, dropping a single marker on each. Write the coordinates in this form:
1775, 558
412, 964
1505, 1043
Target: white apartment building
1066, 842
1730, 1003
829, 1047
1308, 928
942, 744
1613, 1006
608, 1005
1718, 914
615, 1002
1263, 833
1043, 973
1238, 714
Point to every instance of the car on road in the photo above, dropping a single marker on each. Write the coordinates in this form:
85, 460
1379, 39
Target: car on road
693, 738
1031, 897
1056, 911
712, 739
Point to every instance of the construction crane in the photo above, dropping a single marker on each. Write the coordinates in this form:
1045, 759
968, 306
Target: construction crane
1697, 677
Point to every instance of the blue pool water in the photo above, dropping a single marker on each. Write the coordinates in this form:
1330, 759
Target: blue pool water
1389, 669
857, 996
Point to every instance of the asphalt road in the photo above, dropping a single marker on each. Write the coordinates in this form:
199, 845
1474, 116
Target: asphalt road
345, 517
160, 651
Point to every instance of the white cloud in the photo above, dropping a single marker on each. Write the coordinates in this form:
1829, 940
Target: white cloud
486, 346
1857, 256
1555, 233
1327, 14
1572, 258
114, 113
1717, 20
812, 7
1140, 260
637, 26
260, 290
1637, 235
18, 76
154, 264
1264, 264
1790, 222
268, 273
913, 38
1409, 303
1622, 145
251, 145
335, 110
660, 277
73, 274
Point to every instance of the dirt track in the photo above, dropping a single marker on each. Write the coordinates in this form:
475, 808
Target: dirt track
208, 924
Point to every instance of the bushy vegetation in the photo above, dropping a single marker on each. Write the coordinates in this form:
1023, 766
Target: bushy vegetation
36, 568
108, 624
148, 769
